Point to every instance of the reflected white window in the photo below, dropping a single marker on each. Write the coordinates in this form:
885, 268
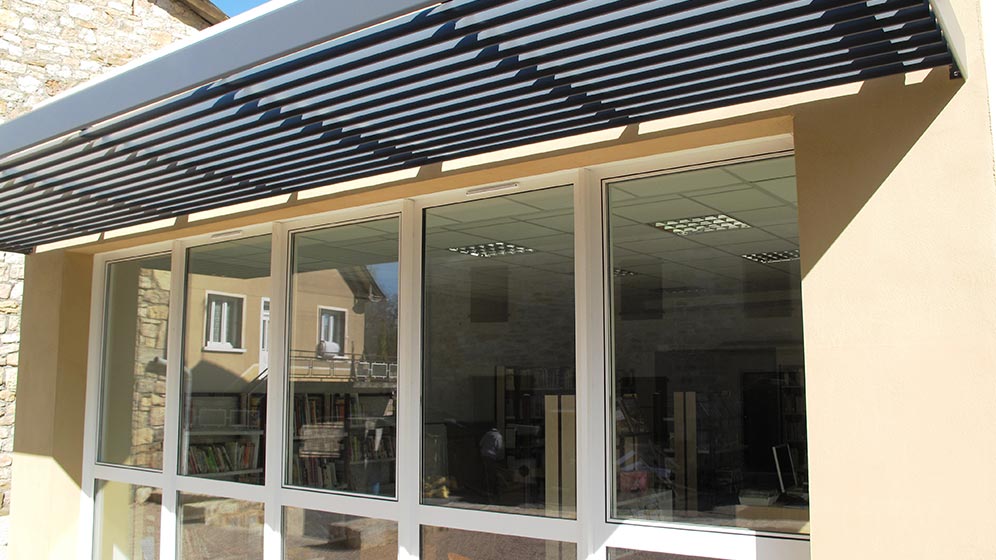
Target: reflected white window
331, 330
224, 321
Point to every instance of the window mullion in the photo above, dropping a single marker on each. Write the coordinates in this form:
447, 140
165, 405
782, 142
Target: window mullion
590, 328
276, 389
88, 524
409, 380
171, 427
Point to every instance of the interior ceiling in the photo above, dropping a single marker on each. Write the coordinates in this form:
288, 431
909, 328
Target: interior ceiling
761, 194
462, 78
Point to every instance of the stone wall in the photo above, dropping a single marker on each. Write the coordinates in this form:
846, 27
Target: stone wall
47, 47
11, 288
149, 394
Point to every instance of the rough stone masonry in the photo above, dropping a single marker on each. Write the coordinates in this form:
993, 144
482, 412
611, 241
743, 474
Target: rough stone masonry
47, 47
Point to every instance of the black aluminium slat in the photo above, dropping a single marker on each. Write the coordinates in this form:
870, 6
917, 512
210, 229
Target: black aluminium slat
277, 130
271, 185
305, 174
689, 5
935, 61
267, 189
445, 33
283, 141
938, 59
759, 61
372, 36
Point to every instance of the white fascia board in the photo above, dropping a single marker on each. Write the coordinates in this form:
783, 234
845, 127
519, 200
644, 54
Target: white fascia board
271, 30
945, 14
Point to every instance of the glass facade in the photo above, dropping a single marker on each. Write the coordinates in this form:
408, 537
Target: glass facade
623, 554
127, 522
320, 535
440, 543
133, 388
427, 393
708, 379
498, 356
343, 358
212, 528
225, 360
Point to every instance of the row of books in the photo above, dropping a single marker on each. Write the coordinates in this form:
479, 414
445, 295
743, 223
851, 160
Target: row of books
333, 407
374, 445
315, 472
221, 457
523, 406
536, 378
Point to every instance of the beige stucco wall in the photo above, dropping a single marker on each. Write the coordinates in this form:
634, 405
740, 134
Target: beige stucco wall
48, 445
897, 203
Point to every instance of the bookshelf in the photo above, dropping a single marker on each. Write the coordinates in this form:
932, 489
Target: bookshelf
224, 436
535, 413
645, 451
344, 437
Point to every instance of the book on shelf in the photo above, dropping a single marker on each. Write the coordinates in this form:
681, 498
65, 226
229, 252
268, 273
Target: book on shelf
221, 457
315, 472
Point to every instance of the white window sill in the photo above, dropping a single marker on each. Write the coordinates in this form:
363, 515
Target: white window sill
224, 350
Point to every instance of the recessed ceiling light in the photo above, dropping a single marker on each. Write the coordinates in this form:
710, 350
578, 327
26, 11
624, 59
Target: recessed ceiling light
682, 290
488, 250
773, 256
622, 272
700, 224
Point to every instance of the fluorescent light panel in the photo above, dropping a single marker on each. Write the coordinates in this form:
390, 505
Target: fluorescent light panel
773, 256
495, 249
700, 224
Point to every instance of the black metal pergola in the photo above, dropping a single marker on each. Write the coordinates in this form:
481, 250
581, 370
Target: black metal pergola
457, 79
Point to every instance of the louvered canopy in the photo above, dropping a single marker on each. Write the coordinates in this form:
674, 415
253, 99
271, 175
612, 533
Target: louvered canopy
457, 79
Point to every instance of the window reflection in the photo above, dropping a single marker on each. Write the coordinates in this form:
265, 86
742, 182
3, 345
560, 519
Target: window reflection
133, 380
127, 521
320, 535
226, 360
344, 358
708, 381
212, 528
498, 370
624, 554
440, 543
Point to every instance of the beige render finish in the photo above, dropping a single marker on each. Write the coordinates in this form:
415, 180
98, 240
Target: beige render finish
47, 47
896, 202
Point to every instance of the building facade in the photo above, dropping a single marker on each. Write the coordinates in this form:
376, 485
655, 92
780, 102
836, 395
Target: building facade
758, 329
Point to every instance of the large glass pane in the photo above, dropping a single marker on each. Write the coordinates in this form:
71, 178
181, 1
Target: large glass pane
319, 535
498, 354
214, 528
708, 381
127, 522
623, 554
439, 543
225, 360
133, 371
343, 361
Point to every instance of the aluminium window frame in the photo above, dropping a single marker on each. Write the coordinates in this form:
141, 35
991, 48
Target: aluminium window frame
593, 531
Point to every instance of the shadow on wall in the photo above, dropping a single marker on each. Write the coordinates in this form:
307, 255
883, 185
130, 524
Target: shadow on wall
861, 140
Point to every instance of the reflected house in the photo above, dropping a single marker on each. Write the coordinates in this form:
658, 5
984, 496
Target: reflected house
529, 279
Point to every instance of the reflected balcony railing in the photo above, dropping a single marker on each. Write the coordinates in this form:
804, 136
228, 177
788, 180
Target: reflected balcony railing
307, 365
